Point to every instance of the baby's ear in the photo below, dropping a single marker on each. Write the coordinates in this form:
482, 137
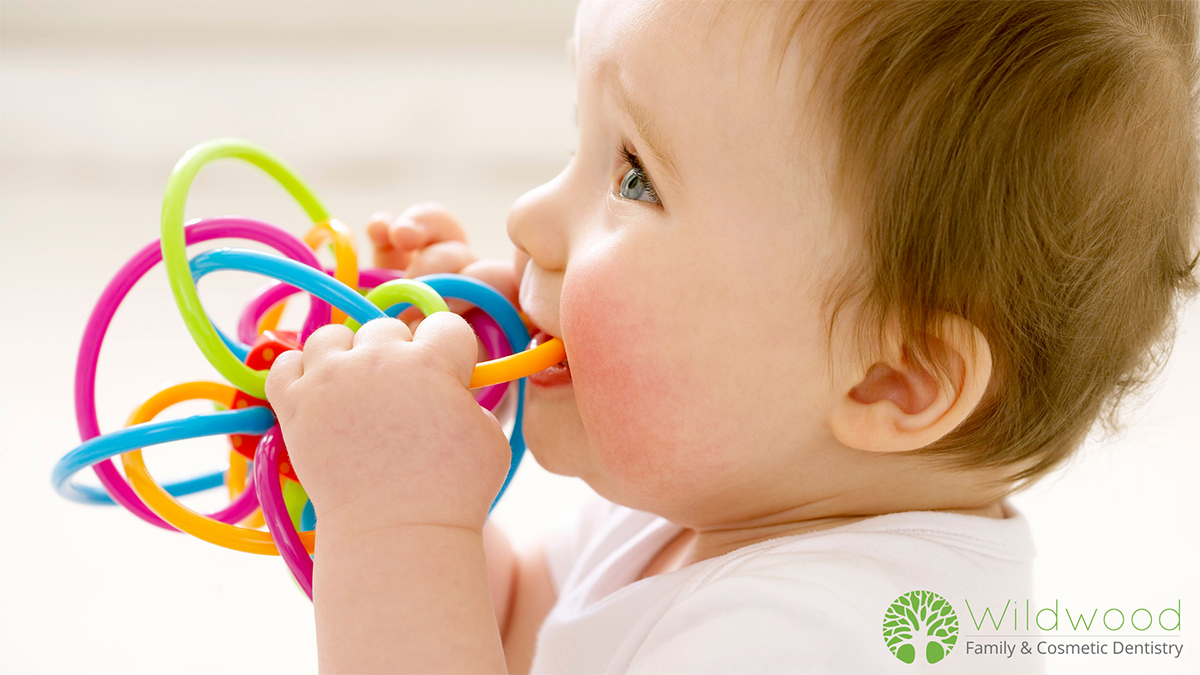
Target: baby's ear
894, 405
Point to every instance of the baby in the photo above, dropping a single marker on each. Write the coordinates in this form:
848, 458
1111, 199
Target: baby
833, 281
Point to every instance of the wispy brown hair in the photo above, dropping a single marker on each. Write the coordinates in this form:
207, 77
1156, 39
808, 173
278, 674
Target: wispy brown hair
1031, 167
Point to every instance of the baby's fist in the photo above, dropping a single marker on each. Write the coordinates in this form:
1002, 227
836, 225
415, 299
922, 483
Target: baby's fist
382, 429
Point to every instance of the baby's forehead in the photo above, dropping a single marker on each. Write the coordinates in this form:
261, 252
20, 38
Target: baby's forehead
714, 47
653, 29
695, 66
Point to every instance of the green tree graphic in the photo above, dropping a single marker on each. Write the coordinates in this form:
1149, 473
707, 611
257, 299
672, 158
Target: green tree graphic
916, 617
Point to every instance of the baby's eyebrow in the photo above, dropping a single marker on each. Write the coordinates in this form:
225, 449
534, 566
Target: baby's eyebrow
646, 127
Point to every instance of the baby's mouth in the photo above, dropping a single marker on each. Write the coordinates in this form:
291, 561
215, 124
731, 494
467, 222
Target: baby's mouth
557, 375
540, 338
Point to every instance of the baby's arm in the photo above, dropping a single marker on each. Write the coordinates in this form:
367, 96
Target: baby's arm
532, 599
522, 595
428, 239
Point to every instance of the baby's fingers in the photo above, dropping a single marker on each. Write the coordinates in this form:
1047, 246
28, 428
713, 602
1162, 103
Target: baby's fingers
285, 370
325, 342
425, 224
377, 228
446, 257
382, 332
448, 335
399, 240
386, 255
419, 227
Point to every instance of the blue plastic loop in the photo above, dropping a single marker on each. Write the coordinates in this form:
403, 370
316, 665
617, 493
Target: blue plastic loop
296, 274
254, 420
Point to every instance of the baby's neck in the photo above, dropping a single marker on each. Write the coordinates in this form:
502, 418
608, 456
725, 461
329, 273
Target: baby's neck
692, 546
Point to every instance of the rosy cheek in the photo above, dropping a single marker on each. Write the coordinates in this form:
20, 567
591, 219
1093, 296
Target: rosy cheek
641, 404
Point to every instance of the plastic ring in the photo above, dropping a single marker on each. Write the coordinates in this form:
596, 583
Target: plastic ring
523, 361
174, 253
345, 253
496, 346
407, 292
271, 320
236, 483
307, 278
248, 420
275, 512
101, 317
170, 510
254, 317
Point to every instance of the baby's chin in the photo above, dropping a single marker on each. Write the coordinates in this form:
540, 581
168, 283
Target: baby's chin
553, 430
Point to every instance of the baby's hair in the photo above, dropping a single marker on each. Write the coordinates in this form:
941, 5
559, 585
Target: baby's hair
1031, 167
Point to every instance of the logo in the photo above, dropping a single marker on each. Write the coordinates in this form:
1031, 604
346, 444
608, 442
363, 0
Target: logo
920, 621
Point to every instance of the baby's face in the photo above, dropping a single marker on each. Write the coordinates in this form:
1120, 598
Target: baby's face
687, 286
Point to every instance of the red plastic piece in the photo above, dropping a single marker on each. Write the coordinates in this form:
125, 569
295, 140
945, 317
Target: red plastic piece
266, 349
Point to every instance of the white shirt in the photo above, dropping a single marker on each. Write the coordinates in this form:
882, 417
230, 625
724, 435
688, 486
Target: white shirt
803, 603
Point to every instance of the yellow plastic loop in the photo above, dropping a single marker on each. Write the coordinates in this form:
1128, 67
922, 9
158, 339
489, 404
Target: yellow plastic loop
236, 481
166, 506
518, 365
345, 252
270, 320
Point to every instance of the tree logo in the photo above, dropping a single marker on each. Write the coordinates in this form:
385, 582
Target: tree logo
920, 618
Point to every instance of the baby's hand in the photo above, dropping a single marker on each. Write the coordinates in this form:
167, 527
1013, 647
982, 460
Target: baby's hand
427, 239
382, 429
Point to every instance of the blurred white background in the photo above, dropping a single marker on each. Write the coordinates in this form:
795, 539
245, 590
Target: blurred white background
379, 105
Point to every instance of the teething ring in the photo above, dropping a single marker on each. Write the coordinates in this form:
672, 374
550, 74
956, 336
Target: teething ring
274, 509
260, 316
183, 287
308, 279
344, 251
166, 506
263, 311
112, 444
116, 489
245, 360
406, 291
505, 369
235, 482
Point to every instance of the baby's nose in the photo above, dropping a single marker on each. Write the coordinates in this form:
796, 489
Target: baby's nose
538, 225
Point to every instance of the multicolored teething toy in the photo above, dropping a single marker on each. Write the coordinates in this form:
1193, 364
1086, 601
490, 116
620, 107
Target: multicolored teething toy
244, 415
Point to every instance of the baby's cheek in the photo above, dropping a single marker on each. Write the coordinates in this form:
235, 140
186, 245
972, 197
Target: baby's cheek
643, 406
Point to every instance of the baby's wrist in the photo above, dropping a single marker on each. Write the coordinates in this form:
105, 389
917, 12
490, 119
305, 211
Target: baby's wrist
396, 541
359, 520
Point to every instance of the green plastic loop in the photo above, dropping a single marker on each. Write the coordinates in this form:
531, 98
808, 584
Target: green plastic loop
294, 499
397, 291
174, 250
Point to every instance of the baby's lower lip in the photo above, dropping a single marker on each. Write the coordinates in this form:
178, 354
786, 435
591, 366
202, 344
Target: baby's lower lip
557, 375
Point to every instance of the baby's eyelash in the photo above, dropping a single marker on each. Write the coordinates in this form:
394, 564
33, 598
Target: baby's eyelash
636, 164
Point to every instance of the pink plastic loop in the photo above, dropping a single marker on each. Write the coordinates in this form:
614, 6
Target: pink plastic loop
279, 523
495, 343
273, 293
110, 299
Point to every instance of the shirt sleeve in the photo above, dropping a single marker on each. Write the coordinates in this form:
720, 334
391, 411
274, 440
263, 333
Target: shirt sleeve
565, 542
748, 624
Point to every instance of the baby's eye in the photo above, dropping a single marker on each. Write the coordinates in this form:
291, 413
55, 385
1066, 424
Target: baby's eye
636, 184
